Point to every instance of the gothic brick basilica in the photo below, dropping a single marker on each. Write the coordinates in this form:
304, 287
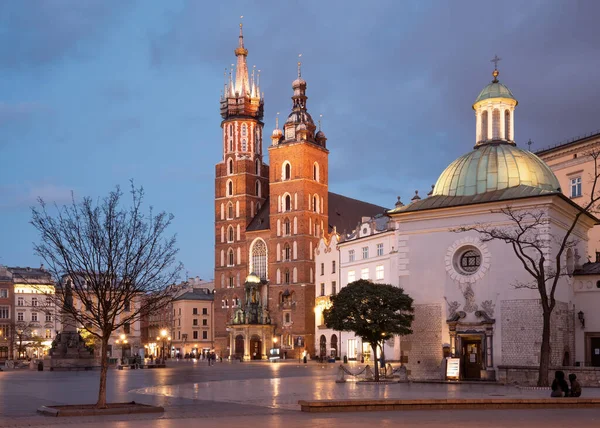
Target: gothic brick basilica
268, 221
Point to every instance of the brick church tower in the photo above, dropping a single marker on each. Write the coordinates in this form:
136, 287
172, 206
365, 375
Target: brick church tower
298, 183
241, 184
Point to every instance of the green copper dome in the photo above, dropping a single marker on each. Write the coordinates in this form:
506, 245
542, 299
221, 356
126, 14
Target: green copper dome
494, 166
495, 90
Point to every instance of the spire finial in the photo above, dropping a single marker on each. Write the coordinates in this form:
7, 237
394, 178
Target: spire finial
320, 117
277, 121
241, 32
299, 66
529, 143
495, 60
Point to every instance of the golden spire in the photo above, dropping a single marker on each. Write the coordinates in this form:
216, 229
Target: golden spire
240, 49
277, 121
299, 66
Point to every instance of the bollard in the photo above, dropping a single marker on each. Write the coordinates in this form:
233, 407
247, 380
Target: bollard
341, 375
305, 359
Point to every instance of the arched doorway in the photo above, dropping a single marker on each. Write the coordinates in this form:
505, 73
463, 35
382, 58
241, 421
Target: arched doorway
334, 346
239, 346
322, 346
255, 348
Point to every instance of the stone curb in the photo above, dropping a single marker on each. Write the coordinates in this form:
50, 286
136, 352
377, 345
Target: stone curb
89, 410
318, 406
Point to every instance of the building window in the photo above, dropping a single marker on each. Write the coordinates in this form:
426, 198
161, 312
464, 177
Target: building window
507, 125
19, 315
315, 204
48, 334
322, 289
484, 126
351, 276
287, 229
576, 187
259, 259
127, 306
34, 316
365, 252
230, 285
287, 318
288, 203
229, 211
287, 171
287, 276
5, 312
230, 188
230, 166
257, 188
3, 293
20, 301
48, 317
204, 322
333, 266
287, 252
316, 172
230, 259
230, 234
195, 322
195, 335
204, 311
364, 273
195, 311
469, 261
34, 301
244, 145
179, 312
379, 272
380, 249
333, 288
322, 268
126, 328
496, 124
351, 255
205, 335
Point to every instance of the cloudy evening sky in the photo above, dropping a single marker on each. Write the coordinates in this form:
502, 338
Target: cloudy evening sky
95, 92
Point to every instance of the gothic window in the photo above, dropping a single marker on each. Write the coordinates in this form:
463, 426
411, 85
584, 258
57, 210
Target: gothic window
230, 166
496, 124
287, 276
287, 252
287, 171
231, 145
316, 171
288, 203
257, 165
484, 126
230, 234
507, 125
230, 283
316, 203
230, 130
257, 185
244, 130
229, 210
287, 318
244, 145
229, 188
230, 260
286, 227
259, 259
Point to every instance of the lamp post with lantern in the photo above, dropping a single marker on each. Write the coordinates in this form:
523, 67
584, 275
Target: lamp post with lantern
164, 338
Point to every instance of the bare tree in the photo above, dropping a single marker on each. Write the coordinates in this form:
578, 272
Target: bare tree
22, 333
114, 261
528, 234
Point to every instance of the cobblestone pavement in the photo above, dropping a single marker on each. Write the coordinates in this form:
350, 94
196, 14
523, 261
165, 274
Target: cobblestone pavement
261, 393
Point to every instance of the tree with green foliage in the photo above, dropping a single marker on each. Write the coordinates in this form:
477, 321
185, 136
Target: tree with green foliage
374, 312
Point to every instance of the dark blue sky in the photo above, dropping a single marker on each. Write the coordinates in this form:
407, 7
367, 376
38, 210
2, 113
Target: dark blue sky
95, 92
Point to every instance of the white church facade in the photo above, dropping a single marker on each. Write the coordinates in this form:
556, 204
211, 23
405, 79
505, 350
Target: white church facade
467, 295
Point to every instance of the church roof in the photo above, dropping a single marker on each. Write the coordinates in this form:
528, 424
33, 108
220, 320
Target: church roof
261, 219
344, 213
197, 294
442, 201
495, 90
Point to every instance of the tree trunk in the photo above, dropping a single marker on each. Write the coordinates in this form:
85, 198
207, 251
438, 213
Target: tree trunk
545, 351
101, 403
375, 359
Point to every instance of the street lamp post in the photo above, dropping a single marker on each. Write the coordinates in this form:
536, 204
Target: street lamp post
121, 341
163, 334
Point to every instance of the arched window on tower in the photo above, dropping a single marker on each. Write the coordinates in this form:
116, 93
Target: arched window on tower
230, 260
288, 203
229, 188
231, 144
315, 204
316, 172
496, 124
230, 166
287, 276
259, 258
287, 229
287, 253
229, 210
507, 125
257, 186
287, 171
484, 126
230, 234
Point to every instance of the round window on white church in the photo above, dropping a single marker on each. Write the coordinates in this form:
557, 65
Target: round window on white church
468, 261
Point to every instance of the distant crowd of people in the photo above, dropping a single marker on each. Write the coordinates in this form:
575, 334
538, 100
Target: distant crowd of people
560, 387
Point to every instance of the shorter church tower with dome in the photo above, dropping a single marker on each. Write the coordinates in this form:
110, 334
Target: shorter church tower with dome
468, 303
